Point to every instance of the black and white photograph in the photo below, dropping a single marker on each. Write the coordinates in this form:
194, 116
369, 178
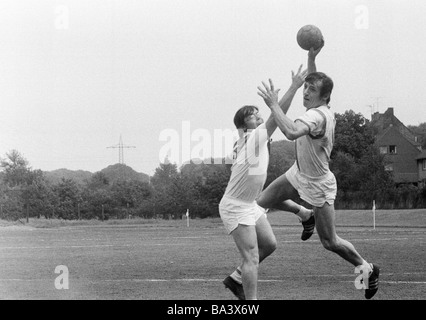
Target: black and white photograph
212, 151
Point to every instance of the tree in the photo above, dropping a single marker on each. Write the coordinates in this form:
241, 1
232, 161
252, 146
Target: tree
130, 193
39, 195
281, 158
164, 175
357, 163
130, 196
164, 182
24, 187
353, 135
98, 180
15, 168
98, 203
374, 181
69, 196
206, 185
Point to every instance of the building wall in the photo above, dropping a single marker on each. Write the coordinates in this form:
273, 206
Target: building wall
405, 166
422, 172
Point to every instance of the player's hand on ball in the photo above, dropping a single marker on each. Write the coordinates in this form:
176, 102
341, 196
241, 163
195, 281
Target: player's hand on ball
312, 53
299, 77
269, 94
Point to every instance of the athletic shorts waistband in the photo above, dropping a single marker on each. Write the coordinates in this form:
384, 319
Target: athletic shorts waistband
317, 178
238, 200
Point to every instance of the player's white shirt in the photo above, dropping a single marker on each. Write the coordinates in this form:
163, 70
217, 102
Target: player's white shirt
313, 150
250, 165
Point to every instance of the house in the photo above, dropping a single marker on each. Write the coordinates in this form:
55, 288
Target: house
400, 147
421, 165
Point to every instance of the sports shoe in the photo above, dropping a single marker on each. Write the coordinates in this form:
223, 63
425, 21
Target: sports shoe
235, 287
373, 282
308, 228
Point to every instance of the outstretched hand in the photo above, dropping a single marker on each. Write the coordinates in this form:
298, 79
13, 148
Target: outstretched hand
299, 77
269, 94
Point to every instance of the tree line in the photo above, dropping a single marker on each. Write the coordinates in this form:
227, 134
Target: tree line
356, 162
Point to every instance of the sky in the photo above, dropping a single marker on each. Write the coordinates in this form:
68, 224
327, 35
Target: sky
168, 76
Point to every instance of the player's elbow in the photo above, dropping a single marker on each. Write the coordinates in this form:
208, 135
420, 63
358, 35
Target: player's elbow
291, 135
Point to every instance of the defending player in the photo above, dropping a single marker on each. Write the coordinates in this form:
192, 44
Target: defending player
242, 217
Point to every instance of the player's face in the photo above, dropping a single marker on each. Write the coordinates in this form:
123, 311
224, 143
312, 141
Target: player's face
254, 120
312, 95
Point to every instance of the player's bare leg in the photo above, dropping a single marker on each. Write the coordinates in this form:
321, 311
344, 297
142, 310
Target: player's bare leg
266, 243
326, 228
246, 240
325, 223
279, 195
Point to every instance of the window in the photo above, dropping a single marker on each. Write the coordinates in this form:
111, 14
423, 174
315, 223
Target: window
392, 149
383, 150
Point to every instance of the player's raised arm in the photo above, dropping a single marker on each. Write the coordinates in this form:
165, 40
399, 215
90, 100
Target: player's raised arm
312, 54
276, 117
297, 81
290, 129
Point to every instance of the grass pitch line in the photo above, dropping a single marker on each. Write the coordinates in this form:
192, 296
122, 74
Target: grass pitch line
98, 246
220, 280
259, 280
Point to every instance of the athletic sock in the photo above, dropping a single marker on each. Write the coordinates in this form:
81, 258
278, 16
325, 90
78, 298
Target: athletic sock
236, 275
304, 214
366, 266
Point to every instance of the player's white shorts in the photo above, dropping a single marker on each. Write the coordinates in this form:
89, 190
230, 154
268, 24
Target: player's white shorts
234, 211
314, 190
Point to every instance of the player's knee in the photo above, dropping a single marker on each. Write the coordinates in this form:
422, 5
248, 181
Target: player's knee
267, 198
251, 259
268, 249
272, 246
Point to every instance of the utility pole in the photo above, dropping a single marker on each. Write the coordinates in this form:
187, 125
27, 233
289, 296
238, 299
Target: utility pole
120, 147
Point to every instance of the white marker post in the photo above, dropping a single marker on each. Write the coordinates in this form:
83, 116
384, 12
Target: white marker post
374, 214
187, 217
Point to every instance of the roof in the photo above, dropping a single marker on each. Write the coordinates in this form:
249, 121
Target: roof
383, 133
385, 122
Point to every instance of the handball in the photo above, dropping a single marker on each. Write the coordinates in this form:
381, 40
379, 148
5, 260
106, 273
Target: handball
309, 36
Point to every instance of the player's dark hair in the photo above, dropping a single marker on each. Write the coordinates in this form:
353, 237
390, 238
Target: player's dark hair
243, 113
326, 83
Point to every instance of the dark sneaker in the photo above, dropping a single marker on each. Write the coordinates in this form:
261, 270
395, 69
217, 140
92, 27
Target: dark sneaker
308, 228
373, 282
235, 287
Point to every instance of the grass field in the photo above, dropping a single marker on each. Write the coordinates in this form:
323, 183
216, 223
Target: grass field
164, 259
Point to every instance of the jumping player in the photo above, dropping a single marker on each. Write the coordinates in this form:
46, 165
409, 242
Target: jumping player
310, 176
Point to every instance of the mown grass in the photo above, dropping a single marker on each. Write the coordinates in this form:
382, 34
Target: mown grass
390, 218
164, 259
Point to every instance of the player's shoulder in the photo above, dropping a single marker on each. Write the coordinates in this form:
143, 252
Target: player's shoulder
314, 113
261, 126
323, 111
259, 129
